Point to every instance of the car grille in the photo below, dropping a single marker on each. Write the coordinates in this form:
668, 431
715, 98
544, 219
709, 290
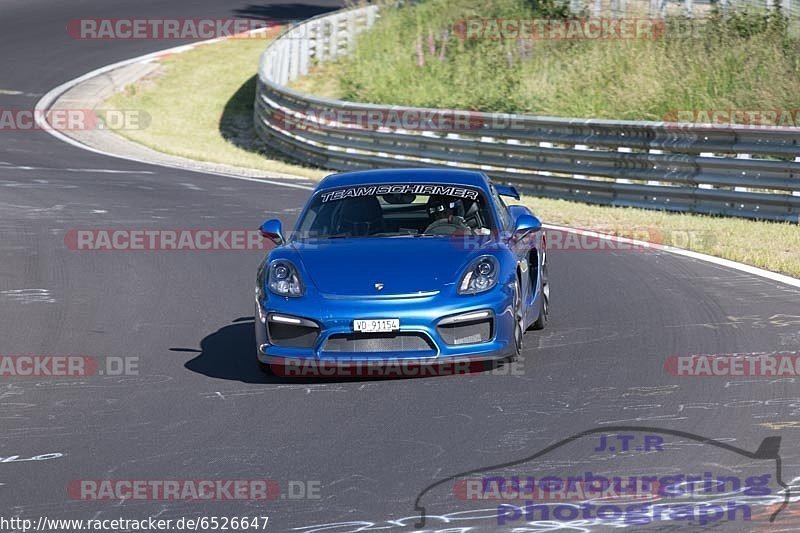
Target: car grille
379, 342
473, 332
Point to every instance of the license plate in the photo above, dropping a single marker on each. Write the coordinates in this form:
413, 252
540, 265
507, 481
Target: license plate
376, 325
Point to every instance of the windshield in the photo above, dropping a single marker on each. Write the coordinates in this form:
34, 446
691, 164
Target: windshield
396, 210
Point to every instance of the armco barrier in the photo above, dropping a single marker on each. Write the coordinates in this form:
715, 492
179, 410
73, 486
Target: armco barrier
740, 171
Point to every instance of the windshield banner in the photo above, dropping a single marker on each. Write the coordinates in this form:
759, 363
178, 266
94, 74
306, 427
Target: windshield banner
446, 190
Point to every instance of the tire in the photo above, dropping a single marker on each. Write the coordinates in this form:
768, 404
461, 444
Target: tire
519, 331
264, 367
544, 300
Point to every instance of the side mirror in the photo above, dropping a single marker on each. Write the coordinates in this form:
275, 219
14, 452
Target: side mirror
272, 230
526, 223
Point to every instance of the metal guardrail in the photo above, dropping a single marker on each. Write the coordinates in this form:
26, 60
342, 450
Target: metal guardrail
738, 171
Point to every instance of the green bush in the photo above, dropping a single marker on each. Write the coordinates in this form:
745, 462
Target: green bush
551, 9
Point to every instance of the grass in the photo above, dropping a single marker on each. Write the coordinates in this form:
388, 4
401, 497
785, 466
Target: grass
201, 104
199, 123
414, 56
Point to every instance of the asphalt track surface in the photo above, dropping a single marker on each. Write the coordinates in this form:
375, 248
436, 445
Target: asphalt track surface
200, 409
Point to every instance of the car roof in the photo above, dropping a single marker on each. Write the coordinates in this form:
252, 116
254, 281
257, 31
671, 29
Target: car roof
405, 175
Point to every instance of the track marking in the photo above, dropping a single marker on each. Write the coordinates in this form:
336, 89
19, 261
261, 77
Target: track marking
89, 170
12, 92
27, 296
727, 263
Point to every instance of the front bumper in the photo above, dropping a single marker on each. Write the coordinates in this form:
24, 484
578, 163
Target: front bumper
419, 317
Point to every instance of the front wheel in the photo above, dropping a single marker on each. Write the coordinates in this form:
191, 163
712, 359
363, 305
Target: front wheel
544, 299
518, 320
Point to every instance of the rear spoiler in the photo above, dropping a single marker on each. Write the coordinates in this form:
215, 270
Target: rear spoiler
507, 190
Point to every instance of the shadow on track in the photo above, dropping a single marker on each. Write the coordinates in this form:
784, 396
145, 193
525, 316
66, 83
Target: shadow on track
230, 353
236, 124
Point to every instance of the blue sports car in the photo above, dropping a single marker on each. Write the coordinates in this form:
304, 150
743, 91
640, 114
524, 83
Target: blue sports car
422, 265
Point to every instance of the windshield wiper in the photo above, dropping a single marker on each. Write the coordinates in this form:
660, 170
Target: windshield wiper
388, 234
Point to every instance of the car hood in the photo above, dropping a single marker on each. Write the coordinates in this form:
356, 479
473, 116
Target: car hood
404, 265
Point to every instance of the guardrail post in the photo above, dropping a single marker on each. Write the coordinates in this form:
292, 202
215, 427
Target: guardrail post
320, 53
705, 185
333, 40
350, 31
294, 58
278, 63
797, 192
655, 183
305, 49
545, 144
742, 189
624, 149
580, 147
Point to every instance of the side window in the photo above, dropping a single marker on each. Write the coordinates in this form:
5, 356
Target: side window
505, 216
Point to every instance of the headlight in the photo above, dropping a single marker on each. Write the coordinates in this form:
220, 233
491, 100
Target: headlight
480, 276
284, 280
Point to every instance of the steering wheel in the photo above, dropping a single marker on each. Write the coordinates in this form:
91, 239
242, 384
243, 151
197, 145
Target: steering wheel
446, 228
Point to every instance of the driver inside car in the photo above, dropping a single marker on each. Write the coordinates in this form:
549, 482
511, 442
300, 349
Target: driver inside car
444, 221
